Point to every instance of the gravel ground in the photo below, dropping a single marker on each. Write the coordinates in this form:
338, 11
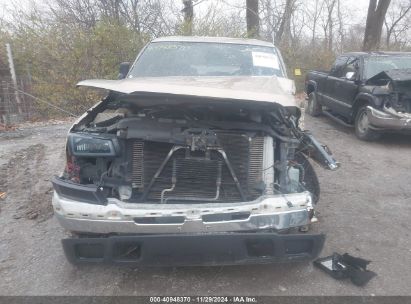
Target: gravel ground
364, 209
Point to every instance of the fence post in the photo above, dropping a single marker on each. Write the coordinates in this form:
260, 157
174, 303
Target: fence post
6, 102
25, 105
13, 76
2, 104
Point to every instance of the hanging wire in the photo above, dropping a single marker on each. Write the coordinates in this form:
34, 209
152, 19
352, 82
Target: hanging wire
45, 102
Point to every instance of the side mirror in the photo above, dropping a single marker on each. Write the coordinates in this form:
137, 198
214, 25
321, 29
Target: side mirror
123, 70
350, 76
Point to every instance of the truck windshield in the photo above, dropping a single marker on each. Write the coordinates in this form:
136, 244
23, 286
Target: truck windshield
162, 59
378, 64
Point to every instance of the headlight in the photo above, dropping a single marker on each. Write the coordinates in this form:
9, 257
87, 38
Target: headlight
85, 145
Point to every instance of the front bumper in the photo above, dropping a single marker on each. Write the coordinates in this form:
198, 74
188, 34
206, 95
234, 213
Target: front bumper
380, 120
275, 212
185, 234
194, 250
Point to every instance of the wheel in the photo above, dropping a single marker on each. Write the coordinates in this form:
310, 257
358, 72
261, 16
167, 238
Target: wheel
313, 107
309, 180
362, 126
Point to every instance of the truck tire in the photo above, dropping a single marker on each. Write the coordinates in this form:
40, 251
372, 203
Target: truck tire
362, 126
313, 107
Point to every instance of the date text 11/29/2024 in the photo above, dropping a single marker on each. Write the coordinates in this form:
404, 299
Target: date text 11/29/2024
203, 299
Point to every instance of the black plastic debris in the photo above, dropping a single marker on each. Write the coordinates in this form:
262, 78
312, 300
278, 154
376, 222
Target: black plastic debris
346, 266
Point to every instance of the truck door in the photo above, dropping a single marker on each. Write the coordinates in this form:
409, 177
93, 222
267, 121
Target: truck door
347, 88
328, 94
341, 91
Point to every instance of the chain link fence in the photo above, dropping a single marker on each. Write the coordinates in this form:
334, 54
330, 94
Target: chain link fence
15, 107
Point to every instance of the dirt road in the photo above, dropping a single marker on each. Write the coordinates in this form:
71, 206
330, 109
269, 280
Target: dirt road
364, 209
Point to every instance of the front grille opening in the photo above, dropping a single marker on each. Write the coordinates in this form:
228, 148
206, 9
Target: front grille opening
137, 164
89, 251
225, 217
160, 220
298, 246
260, 248
126, 251
196, 174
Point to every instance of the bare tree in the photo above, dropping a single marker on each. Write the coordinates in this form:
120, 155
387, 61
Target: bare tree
131, 12
188, 11
81, 12
284, 31
253, 20
270, 18
298, 24
110, 9
314, 13
353, 39
373, 27
212, 23
340, 26
327, 24
330, 5
394, 24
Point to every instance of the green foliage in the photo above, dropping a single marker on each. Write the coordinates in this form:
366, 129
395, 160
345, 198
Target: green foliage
58, 55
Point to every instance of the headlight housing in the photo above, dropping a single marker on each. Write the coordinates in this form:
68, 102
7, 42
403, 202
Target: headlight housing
86, 145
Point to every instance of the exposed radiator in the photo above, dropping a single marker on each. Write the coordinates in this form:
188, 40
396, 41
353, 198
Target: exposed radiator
196, 175
137, 172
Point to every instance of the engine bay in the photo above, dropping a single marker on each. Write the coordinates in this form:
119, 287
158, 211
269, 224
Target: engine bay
189, 153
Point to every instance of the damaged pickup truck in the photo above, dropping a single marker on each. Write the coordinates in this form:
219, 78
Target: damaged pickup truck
195, 157
371, 91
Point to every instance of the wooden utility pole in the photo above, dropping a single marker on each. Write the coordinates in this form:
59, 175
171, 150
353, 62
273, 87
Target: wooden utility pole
13, 77
375, 21
253, 20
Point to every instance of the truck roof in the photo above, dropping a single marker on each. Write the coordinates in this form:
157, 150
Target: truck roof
214, 40
375, 53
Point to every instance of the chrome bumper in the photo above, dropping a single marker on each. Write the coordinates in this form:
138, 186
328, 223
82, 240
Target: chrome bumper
268, 212
388, 121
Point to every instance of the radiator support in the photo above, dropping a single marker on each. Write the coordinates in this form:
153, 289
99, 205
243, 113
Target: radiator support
242, 179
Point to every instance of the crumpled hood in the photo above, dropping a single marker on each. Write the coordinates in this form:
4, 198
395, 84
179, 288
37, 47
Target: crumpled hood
396, 75
257, 88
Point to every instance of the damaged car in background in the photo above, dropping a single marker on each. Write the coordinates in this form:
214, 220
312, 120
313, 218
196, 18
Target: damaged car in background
371, 91
195, 157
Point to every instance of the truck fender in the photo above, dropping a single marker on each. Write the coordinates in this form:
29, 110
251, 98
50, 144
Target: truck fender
362, 99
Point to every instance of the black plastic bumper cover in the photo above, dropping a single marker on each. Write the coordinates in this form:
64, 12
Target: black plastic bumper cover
85, 193
194, 250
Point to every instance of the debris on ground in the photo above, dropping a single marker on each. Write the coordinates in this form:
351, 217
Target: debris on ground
4, 127
346, 266
2, 195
